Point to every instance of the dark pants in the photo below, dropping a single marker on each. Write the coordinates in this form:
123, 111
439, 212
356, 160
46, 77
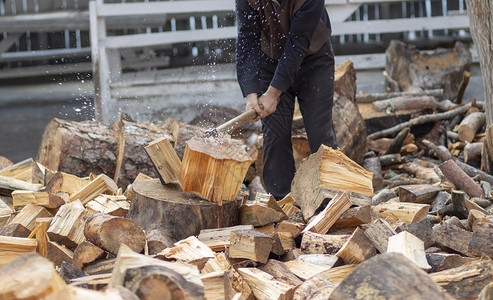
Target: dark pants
314, 88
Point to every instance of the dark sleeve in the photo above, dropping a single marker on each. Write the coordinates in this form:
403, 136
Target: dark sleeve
303, 25
248, 48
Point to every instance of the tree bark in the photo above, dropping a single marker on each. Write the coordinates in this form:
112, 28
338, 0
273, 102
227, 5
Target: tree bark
481, 26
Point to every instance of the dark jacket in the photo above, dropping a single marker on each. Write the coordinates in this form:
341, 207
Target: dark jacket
257, 23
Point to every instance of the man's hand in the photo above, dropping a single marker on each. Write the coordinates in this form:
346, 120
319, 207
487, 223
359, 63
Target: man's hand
252, 102
268, 101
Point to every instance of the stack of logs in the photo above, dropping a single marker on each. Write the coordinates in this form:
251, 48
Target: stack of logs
415, 222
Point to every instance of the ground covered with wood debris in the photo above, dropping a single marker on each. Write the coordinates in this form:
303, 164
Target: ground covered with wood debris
161, 211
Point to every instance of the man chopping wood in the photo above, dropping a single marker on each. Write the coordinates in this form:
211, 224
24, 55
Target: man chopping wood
283, 51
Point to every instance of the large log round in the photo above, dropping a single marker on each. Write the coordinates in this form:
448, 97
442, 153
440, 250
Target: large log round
176, 214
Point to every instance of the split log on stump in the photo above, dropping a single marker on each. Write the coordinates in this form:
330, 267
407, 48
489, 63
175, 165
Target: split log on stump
411, 247
357, 249
465, 282
250, 244
48, 200
29, 277
418, 193
416, 70
388, 276
81, 148
176, 214
405, 103
264, 286
461, 179
402, 211
313, 243
470, 125
322, 222
151, 278
189, 250
13, 247
326, 173
86, 253
28, 215
165, 160
139, 178
109, 233
214, 168
67, 227
472, 151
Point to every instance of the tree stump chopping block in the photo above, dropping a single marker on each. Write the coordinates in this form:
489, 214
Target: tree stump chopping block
177, 214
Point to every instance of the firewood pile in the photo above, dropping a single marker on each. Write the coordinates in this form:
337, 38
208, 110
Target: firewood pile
153, 211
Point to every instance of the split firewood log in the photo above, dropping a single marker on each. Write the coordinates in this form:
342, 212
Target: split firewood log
326, 173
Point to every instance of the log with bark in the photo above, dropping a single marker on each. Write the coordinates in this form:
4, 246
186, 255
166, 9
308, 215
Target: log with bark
81, 148
178, 215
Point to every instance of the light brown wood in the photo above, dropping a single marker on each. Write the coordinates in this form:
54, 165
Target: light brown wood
65, 183
59, 254
6, 212
101, 184
422, 229
8, 185
110, 232
470, 125
5, 162
214, 168
326, 173
467, 281
151, 278
357, 249
402, 211
214, 285
379, 232
189, 250
22, 170
21, 198
13, 247
281, 273
42, 225
164, 159
28, 215
258, 214
86, 253
304, 270
269, 229
390, 276
421, 172
67, 227
140, 177
250, 244
264, 286
78, 293
293, 228
313, 243
14, 230
235, 284
322, 222
283, 242
29, 277
219, 263
109, 204
411, 247
219, 239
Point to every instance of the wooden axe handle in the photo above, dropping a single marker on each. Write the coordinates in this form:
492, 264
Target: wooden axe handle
238, 121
